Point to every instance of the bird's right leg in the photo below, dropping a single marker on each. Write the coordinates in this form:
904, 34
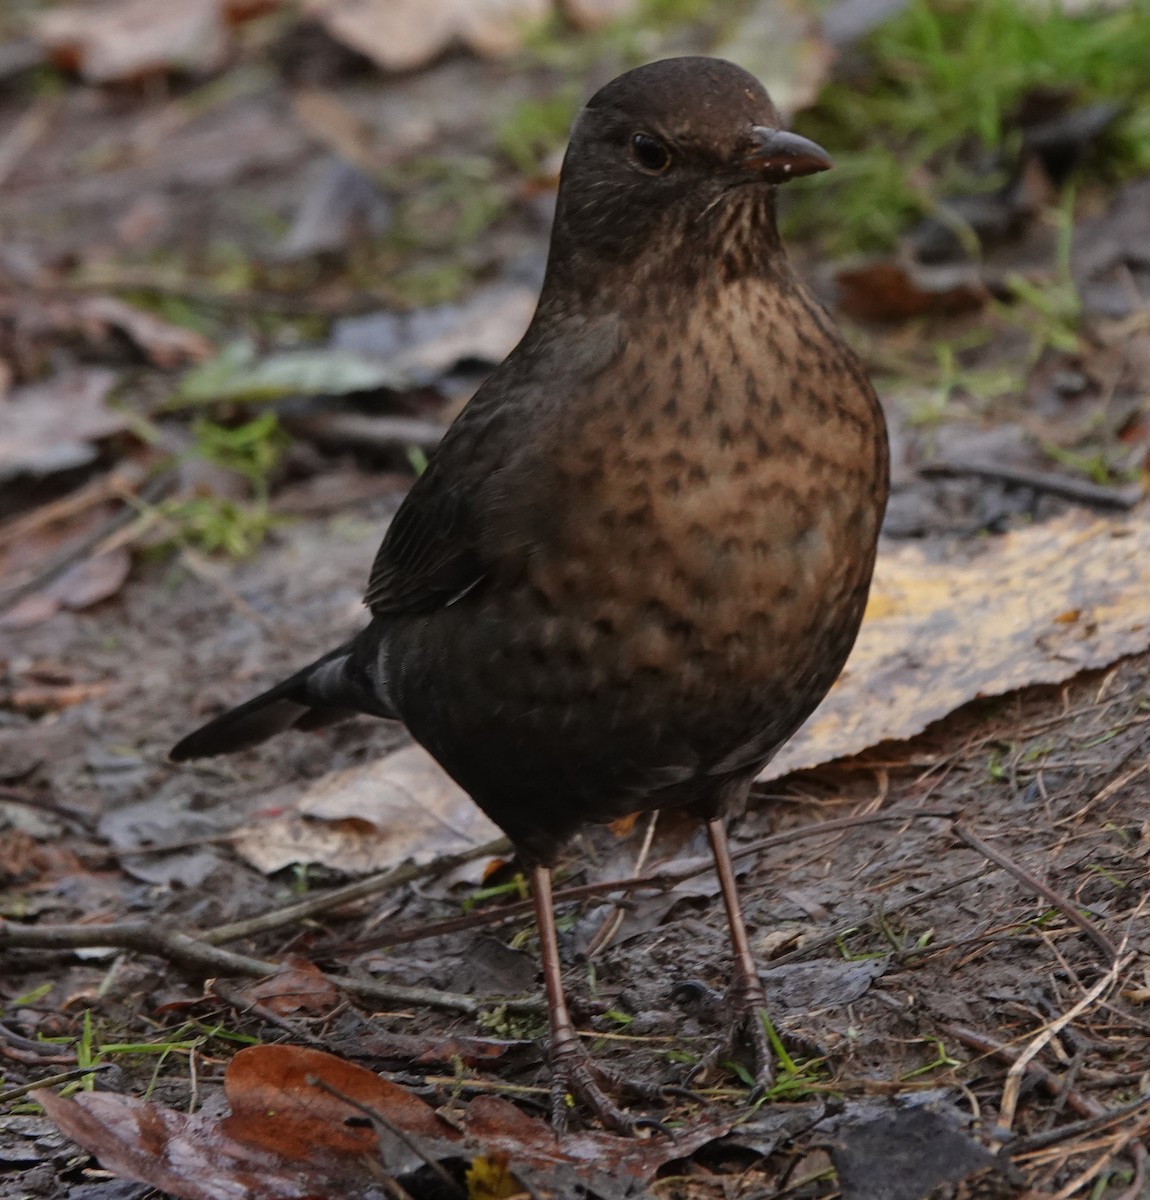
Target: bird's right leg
573, 1072
746, 995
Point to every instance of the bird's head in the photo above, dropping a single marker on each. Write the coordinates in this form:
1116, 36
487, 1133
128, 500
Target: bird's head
686, 150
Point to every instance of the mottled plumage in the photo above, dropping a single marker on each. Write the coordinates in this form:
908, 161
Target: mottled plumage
640, 556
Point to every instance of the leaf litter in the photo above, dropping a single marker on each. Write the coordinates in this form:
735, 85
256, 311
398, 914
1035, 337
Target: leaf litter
906, 962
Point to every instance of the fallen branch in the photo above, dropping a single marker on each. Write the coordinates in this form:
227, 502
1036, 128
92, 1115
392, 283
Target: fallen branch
186, 951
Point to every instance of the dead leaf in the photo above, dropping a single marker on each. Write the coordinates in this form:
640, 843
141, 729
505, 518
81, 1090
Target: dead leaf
940, 633
298, 986
906, 1154
288, 1136
422, 346
133, 39
397, 809
400, 35
178, 1153
594, 14
277, 1105
36, 701
82, 585
886, 290
165, 345
32, 328
50, 427
1109, 260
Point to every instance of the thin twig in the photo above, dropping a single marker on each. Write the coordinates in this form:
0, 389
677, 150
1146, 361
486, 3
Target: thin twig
1063, 905
1063, 1133
1011, 1091
1079, 490
382, 1121
1120, 1142
973, 1039
52, 1081
610, 926
69, 555
664, 879
360, 890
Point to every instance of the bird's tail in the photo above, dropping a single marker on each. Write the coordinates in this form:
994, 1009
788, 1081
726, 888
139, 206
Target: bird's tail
321, 694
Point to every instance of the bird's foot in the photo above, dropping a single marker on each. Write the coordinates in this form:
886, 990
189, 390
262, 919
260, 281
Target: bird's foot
741, 1011
575, 1076
749, 1031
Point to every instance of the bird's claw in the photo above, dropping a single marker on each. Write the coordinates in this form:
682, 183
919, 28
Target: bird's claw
576, 1075
748, 1003
744, 1002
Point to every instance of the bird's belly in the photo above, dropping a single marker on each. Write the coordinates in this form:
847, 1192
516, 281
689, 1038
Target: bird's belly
727, 582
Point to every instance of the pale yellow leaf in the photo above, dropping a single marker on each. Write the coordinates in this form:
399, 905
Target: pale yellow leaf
401, 808
1034, 606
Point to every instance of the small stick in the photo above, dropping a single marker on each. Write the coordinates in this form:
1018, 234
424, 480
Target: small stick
59, 562
1067, 488
664, 879
360, 890
107, 487
189, 952
52, 1080
380, 1121
606, 932
1033, 882
1063, 1133
1084, 1106
1120, 1142
1010, 1092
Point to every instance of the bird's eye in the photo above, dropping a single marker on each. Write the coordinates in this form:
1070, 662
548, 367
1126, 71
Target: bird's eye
649, 153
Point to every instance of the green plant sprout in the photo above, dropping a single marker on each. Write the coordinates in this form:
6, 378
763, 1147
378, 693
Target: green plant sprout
217, 523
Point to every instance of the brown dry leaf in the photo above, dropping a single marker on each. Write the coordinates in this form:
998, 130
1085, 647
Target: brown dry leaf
165, 345
48, 427
288, 1136
298, 986
180, 1154
277, 1105
399, 808
1034, 606
594, 14
133, 39
886, 290
611, 1164
400, 35
32, 328
85, 583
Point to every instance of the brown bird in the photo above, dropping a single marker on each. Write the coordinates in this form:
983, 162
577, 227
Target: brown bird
640, 556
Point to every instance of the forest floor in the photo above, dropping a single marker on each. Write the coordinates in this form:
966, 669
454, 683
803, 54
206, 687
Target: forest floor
949, 905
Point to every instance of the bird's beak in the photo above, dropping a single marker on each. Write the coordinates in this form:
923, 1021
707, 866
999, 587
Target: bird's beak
777, 155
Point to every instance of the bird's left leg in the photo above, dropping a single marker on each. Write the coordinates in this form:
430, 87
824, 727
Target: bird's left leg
746, 995
573, 1071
